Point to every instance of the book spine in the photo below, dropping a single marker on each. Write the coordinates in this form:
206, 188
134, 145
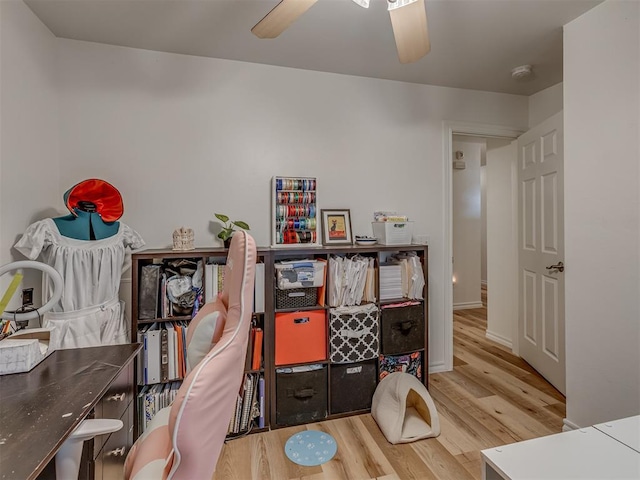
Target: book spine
257, 349
246, 402
164, 355
261, 399
208, 283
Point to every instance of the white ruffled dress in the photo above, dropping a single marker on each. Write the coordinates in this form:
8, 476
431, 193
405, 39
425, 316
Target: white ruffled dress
89, 312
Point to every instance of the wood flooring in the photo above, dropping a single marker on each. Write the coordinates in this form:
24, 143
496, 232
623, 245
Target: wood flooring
490, 398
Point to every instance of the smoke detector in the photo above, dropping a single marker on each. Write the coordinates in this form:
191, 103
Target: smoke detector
523, 72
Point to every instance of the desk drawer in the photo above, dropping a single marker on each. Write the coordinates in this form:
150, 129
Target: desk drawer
119, 395
109, 464
114, 403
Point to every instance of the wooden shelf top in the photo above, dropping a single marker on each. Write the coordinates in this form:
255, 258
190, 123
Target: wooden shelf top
277, 250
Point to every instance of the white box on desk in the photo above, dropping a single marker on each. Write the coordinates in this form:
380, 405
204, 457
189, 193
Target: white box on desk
19, 355
393, 233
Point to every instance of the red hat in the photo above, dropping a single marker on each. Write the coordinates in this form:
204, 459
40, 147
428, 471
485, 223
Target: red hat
105, 196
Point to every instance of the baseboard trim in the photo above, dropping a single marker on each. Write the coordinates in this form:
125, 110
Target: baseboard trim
438, 367
568, 425
499, 339
467, 305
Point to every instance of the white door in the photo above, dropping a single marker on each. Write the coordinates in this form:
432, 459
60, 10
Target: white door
541, 247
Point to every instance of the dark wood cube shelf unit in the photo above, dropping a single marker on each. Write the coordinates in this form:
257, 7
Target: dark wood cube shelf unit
316, 392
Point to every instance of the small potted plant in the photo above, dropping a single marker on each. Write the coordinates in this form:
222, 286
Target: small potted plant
229, 227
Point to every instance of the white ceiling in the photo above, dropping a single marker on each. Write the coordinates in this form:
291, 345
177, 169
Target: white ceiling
474, 43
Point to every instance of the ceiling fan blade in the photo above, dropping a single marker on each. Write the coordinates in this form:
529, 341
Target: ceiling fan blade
409, 22
281, 17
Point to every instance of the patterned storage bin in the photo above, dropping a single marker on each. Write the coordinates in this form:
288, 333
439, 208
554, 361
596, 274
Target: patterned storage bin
354, 333
296, 297
410, 363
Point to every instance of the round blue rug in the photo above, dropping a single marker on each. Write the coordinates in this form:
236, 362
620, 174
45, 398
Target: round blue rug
310, 448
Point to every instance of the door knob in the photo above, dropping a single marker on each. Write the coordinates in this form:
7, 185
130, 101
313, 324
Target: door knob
559, 267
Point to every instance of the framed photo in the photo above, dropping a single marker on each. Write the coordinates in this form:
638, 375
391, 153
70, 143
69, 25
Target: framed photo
336, 227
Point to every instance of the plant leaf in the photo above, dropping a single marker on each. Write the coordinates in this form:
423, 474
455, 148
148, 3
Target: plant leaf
222, 217
225, 233
241, 224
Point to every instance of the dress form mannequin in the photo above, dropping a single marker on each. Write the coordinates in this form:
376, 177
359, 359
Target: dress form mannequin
89, 250
85, 223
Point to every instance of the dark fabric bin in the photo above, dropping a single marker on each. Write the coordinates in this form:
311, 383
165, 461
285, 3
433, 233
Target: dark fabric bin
352, 386
402, 329
301, 397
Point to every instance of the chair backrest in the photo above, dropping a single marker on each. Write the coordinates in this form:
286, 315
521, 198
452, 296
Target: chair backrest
205, 330
205, 403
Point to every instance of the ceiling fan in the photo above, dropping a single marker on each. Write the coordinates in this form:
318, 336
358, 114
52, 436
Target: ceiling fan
408, 20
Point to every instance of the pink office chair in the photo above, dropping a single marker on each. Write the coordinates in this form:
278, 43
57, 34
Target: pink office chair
184, 441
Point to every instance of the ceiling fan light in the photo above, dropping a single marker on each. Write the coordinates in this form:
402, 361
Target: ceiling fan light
362, 3
393, 4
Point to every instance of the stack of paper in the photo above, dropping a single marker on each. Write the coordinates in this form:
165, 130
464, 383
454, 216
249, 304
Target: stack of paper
390, 281
348, 279
412, 275
370, 283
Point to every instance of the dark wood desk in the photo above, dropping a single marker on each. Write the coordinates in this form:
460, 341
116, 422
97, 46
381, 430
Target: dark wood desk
40, 408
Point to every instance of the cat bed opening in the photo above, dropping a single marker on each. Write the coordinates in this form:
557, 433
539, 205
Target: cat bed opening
404, 410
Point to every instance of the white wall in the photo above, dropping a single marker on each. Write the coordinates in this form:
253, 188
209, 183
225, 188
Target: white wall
183, 137
502, 237
602, 212
29, 162
466, 223
545, 104
483, 223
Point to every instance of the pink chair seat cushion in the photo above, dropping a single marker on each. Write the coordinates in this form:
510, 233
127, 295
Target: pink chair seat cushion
152, 450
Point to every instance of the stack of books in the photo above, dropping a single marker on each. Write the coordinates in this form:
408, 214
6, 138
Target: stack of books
249, 411
164, 352
152, 399
214, 282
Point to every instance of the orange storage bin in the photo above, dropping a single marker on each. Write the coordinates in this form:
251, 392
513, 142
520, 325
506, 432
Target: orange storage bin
301, 337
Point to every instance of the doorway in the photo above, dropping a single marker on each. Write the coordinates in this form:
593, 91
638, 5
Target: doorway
449, 130
468, 221
484, 232
536, 208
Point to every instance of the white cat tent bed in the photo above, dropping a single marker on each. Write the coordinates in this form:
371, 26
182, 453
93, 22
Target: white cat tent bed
404, 410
